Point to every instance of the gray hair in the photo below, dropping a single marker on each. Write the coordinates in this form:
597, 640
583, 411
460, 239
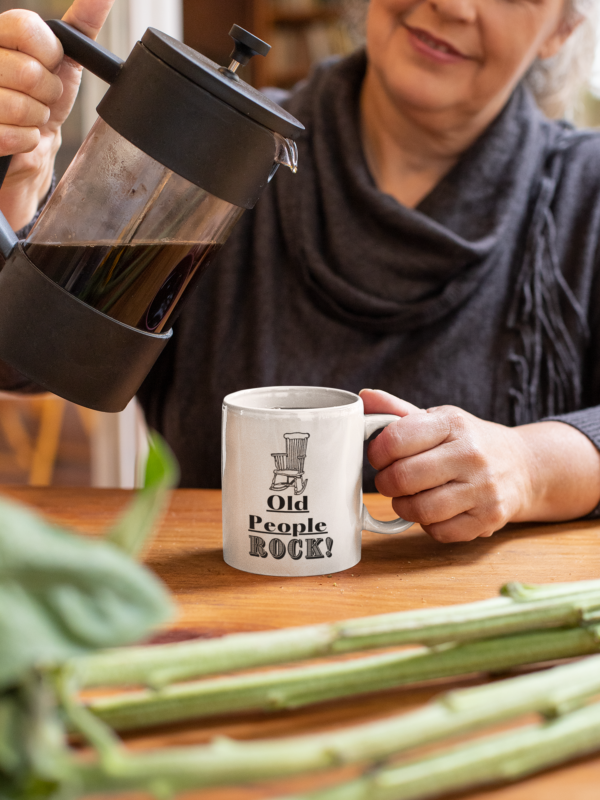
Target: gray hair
557, 83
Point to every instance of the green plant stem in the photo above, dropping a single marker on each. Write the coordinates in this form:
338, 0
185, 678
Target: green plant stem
132, 529
224, 761
292, 688
506, 757
525, 608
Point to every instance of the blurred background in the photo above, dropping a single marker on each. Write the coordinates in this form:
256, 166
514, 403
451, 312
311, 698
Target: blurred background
47, 441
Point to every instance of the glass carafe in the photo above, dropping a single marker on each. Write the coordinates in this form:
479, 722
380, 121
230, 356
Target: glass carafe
137, 235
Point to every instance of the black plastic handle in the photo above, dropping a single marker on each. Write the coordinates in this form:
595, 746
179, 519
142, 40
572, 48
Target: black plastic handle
86, 51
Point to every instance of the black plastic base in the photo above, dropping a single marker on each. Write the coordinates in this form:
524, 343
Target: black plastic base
66, 346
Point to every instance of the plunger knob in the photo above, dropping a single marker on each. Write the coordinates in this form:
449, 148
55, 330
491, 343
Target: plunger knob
246, 46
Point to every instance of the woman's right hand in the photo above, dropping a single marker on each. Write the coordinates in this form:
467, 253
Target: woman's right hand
38, 87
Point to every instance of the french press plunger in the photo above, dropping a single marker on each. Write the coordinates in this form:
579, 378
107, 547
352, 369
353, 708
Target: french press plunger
180, 149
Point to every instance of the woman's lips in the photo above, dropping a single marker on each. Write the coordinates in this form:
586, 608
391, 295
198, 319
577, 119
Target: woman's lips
436, 49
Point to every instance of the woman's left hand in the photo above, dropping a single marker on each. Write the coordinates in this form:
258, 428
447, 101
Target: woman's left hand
461, 477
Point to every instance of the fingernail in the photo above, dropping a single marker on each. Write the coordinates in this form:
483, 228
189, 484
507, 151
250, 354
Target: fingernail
365, 390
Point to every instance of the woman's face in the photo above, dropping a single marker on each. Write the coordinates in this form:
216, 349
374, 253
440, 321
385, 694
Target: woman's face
459, 55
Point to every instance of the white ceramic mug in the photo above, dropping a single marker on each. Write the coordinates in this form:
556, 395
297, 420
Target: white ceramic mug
292, 480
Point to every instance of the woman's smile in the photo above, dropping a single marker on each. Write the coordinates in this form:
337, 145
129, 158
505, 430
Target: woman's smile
432, 47
456, 61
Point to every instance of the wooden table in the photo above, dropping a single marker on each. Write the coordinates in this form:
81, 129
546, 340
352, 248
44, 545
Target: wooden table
400, 572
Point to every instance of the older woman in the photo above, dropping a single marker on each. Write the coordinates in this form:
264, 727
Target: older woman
439, 242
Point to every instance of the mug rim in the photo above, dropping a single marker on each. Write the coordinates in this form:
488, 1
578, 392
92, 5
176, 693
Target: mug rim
234, 400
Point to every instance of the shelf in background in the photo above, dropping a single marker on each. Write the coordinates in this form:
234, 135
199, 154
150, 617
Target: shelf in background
301, 33
325, 13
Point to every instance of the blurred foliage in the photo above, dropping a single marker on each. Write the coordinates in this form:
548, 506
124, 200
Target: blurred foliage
588, 113
62, 595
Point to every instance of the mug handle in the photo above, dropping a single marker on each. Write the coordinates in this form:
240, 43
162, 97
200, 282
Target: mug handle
374, 422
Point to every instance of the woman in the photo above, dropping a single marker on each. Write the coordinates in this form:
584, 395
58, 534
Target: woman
439, 242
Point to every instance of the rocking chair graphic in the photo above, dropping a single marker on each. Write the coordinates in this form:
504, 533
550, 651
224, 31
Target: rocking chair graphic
290, 465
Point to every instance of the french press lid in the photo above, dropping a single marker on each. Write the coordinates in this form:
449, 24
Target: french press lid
188, 113
223, 82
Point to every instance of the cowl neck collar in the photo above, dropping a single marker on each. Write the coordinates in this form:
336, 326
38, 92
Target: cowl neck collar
370, 260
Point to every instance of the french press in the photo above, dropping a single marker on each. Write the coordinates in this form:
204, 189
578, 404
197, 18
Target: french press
181, 147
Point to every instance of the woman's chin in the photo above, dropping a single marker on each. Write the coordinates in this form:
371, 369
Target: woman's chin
423, 99
412, 89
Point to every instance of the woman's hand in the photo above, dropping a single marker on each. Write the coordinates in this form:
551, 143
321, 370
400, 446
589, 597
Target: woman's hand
460, 477
37, 91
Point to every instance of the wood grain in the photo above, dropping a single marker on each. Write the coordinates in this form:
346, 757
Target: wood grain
398, 572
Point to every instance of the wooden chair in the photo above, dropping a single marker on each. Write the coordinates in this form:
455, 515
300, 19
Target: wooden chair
36, 452
290, 465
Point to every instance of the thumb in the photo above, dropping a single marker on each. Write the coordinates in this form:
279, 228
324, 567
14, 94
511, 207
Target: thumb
88, 16
377, 401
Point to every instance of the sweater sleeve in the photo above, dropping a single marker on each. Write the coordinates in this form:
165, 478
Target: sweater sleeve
587, 420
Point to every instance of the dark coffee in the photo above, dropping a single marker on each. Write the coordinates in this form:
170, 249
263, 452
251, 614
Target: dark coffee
138, 285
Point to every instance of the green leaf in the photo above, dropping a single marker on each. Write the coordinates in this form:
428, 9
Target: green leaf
161, 467
162, 473
63, 595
